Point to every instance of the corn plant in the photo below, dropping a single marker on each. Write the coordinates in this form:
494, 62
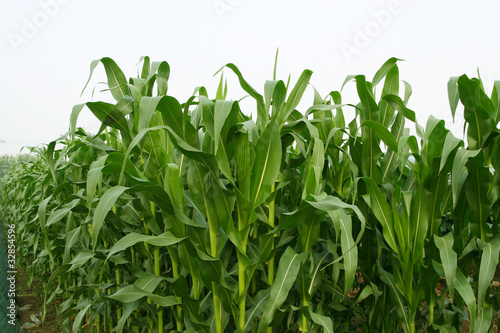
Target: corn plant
203, 217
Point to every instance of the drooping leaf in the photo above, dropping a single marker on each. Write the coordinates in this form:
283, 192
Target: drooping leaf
379, 75
448, 259
288, 269
383, 133
489, 262
132, 293
459, 171
165, 239
117, 82
475, 114
323, 321
106, 203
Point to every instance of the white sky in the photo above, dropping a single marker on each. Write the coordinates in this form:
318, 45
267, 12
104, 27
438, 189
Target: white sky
47, 47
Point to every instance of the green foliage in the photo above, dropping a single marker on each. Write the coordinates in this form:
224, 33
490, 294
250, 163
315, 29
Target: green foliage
6, 162
195, 217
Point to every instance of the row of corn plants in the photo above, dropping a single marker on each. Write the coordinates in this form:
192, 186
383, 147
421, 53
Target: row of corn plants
203, 217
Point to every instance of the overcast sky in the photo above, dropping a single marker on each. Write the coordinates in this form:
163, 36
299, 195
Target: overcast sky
47, 47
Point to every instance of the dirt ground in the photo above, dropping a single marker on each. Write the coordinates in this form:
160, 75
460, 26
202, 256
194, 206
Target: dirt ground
30, 302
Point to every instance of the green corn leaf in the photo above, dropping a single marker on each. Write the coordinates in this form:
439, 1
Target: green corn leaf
369, 108
383, 133
288, 270
489, 262
382, 212
446, 329
331, 203
349, 250
128, 309
171, 112
408, 92
448, 259
114, 164
133, 293
260, 302
459, 171
463, 287
173, 185
295, 96
315, 169
450, 144
476, 189
162, 78
261, 106
79, 317
59, 214
105, 204
398, 299
58, 272
147, 108
50, 160
94, 177
73, 119
323, 321
419, 222
72, 238
484, 320
495, 100
42, 209
453, 96
225, 113
165, 239
274, 91
386, 67
243, 168
370, 144
155, 192
391, 86
212, 271
148, 282
267, 164
475, 114
308, 232
391, 159
80, 259
189, 259
191, 152
146, 66
291, 220
398, 104
110, 116
117, 82
316, 276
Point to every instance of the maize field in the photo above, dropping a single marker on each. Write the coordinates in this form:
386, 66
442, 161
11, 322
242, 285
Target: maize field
203, 216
